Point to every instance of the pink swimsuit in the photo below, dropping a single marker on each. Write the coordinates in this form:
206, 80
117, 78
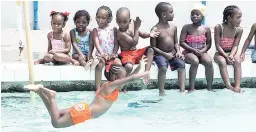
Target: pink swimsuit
226, 43
195, 41
56, 43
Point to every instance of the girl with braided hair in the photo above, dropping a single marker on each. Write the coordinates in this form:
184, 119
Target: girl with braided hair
104, 38
227, 37
59, 43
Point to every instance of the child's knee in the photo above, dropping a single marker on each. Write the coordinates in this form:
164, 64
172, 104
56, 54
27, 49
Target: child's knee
150, 51
100, 65
128, 67
162, 69
48, 57
195, 61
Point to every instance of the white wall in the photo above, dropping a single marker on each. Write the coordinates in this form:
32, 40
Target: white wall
143, 9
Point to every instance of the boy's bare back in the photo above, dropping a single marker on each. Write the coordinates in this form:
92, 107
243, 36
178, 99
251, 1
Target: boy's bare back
167, 37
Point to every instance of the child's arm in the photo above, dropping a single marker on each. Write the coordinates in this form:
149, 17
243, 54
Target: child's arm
208, 40
91, 45
96, 41
49, 43
183, 36
153, 33
132, 40
116, 46
118, 83
67, 41
153, 44
176, 44
217, 34
249, 38
236, 42
74, 44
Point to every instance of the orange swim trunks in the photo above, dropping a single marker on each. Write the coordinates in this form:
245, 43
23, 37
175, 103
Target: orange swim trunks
132, 56
80, 113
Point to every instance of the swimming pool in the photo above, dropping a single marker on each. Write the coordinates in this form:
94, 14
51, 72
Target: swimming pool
200, 111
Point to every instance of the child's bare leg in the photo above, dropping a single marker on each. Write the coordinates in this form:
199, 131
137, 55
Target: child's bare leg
207, 62
237, 73
98, 73
182, 78
57, 120
193, 60
162, 80
61, 57
95, 62
47, 58
150, 55
75, 56
221, 61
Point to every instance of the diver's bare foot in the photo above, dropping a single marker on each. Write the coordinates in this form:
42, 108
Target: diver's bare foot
33, 87
49, 93
40, 61
182, 91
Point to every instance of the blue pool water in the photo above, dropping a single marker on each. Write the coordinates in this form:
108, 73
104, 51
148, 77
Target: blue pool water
200, 111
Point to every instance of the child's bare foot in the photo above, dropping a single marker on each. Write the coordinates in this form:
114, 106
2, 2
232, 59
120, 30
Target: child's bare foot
237, 90
87, 65
40, 61
75, 62
162, 93
94, 63
49, 93
32, 87
191, 90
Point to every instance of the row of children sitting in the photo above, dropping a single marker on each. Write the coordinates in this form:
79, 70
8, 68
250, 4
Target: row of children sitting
195, 39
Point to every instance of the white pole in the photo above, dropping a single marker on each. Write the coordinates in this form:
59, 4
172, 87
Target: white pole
20, 29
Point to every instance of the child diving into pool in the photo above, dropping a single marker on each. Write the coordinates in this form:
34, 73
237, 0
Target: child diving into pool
106, 95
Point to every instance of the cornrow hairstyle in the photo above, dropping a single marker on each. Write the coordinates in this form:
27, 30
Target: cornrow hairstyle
114, 70
64, 15
81, 13
228, 11
106, 8
161, 7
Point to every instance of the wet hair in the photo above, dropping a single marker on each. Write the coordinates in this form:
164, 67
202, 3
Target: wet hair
63, 14
114, 70
121, 10
81, 13
106, 8
161, 7
229, 11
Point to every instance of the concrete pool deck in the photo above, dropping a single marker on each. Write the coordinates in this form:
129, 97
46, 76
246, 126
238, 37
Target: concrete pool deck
74, 78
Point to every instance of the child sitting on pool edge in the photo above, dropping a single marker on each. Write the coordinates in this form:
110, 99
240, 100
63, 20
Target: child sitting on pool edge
106, 95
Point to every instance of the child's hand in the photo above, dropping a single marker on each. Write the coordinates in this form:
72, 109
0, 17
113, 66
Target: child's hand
89, 57
154, 33
52, 52
229, 60
114, 56
137, 22
242, 56
169, 56
198, 52
179, 55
